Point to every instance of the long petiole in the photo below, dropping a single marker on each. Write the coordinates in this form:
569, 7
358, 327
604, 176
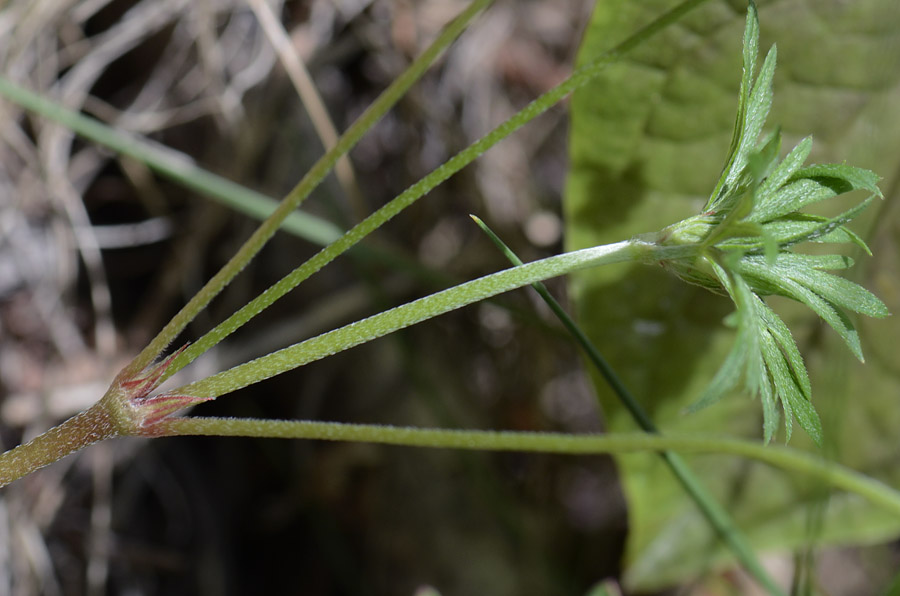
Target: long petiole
424, 186
717, 516
310, 181
420, 310
783, 458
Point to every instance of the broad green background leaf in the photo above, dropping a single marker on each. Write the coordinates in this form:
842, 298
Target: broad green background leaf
648, 141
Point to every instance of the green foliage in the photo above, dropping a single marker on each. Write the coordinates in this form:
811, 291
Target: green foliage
130, 402
647, 141
714, 512
748, 230
742, 245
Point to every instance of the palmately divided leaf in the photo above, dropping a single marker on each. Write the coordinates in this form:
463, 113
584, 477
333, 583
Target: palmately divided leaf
744, 239
846, 177
782, 336
763, 276
770, 412
737, 152
792, 398
802, 227
793, 196
837, 290
781, 195
764, 161
781, 174
759, 104
735, 365
822, 262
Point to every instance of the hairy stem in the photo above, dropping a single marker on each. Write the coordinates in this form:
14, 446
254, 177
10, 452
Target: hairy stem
79, 431
715, 513
534, 109
417, 311
310, 181
96, 423
784, 458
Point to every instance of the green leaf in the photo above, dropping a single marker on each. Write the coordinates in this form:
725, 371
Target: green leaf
843, 178
737, 153
807, 416
764, 277
795, 195
790, 164
791, 189
647, 143
759, 103
843, 235
830, 262
740, 362
763, 162
770, 413
789, 391
781, 380
837, 290
745, 300
779, 332
801, 227
787, 406
758, 108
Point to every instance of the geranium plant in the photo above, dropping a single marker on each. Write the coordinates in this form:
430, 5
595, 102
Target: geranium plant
747, 244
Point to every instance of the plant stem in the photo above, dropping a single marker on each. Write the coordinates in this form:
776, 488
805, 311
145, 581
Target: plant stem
96, 424
171, 164
181, 169
717, 516
784, 458
537, 107
419, 310
310, 181
83, 429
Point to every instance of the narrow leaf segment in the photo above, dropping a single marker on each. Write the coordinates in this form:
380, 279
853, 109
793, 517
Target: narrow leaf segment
748, 230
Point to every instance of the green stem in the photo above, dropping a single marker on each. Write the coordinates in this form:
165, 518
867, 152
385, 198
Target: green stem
628, 400
310, 181
717, 516
423, 187
95, 424
171, 165
179, 168
419, 310
784, 458
83, 429
719, 519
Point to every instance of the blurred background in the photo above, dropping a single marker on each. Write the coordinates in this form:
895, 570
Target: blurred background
97, 252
